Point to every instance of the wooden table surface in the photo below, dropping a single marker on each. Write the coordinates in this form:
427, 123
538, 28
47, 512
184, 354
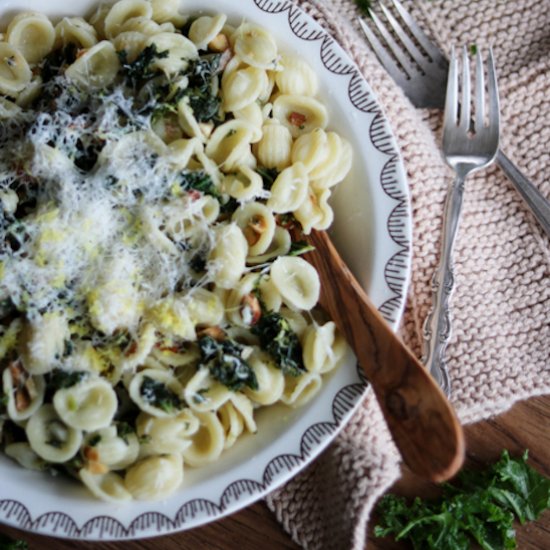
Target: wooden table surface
525, 426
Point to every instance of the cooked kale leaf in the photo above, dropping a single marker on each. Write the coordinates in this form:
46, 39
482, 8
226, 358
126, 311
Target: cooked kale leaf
281, 342
201, 71
269, 175
7, 543
205, 106
157, 394
59, 379
141, 68
364, 6
297, 248
479, 507
226, 364
198, 180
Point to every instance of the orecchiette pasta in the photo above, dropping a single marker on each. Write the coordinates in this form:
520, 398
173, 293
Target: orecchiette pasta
244, 185
256, 47
289, 189
89, 405
75, 30
23, 453
298, 391
166, 435
257, 224
50, 438
107, 447
274, 149
180, 51
323, 347
155, 477
228, 257
15, 72
297, 281
158, 171
96, 68
204, 29
167, 11
207, 442
124, 11
300, 114
297, 77
25, 393
271, 382
32, 34
243, 87
106, 486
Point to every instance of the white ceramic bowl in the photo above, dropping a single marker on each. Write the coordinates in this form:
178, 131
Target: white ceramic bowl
372, 230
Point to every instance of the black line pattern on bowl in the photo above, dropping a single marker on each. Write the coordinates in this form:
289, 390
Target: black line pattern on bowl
148, 523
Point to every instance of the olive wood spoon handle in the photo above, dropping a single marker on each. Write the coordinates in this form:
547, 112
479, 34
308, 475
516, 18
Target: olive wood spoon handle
423, 423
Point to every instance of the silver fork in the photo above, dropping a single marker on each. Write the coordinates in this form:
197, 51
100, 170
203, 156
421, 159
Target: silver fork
422, 73
468, 145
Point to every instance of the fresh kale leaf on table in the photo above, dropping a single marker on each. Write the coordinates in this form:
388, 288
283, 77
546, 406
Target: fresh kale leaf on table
479, 507
364, 6
7, 543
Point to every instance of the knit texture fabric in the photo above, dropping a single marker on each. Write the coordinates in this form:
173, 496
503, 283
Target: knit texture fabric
499, 349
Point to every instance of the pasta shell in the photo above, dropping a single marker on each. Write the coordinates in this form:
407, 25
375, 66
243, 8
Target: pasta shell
155, 477
300, 114
96, 68
89, 405
108, 487
75, 30
32, 34
15, 72
205, 28
256, 46
123, 11
50, 438
297, 281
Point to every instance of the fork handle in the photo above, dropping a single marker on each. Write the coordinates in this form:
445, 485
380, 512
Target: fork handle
437, 327
531, 195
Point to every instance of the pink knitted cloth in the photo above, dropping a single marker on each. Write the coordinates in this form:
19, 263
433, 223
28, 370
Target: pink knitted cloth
499, 351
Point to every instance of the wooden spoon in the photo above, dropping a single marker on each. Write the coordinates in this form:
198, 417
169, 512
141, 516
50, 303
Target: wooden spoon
423, 423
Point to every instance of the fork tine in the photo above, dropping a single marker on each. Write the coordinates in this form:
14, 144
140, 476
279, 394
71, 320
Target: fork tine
492, 88
381, 53
415, 53
431, 49
397, 50
480, 94
451, 101
466, 95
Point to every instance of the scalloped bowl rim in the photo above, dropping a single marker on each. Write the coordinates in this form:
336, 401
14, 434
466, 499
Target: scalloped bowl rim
373, 218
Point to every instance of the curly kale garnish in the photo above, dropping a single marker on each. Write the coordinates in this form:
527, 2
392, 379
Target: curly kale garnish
477, 508
158, 395
7, 543
225, 361
281, 342
141, 68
